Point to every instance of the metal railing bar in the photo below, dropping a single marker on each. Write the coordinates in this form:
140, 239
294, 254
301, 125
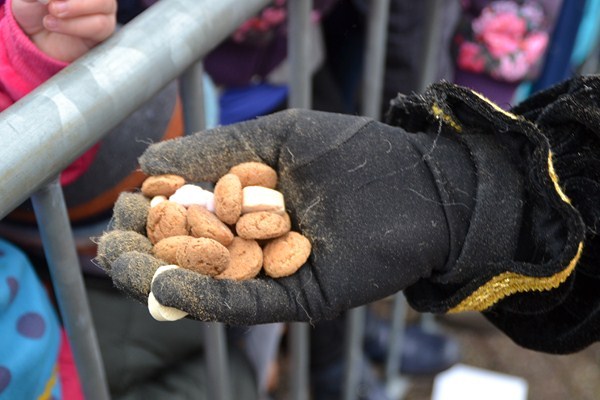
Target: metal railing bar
299, 12
65, 271
45, 131
353, 352
191, 86
432, 43
374, 58
372, 86
396, 385
219, 379
299, 97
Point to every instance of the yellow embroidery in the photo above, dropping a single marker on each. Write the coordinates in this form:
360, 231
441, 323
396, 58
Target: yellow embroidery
495, 106
509, 283
438, 112
554, 178
49, 385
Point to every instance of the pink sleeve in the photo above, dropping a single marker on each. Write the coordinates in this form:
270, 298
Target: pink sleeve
23, 67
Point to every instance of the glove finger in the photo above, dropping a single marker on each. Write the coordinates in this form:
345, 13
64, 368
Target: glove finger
281, 140
250, 302
132, 273
114, 243
130, 212
208, 155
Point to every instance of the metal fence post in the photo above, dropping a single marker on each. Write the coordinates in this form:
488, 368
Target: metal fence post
372, 84
374, 58
59, 247
191, 87
433, 38
396, 385
45, 131
192, 94
300, 97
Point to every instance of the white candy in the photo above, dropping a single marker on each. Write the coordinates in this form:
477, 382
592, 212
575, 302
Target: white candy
157, 200
258, 198
210, 203
44, 1
157, 310
192, 194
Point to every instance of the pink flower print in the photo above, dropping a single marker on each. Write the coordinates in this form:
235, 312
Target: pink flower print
512, 69
479, 24
534, 46
534, 14
470, 58
503, 34
274, 16
501, 7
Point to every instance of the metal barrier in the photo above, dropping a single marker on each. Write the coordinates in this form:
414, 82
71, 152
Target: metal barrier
45, 131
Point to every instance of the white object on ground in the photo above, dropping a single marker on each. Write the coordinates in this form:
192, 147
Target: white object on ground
469, 383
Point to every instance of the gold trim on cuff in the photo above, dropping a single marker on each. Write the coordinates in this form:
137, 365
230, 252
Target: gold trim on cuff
509, 283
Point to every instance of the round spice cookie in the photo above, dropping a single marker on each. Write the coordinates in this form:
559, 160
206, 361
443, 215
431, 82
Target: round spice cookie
166, 249
263, 225
255, 174
162, 185
246, 260
203, 223
228, 198
203, 255
285, 255
166, 219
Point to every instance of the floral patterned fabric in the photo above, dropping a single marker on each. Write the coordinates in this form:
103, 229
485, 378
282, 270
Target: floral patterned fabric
506, 40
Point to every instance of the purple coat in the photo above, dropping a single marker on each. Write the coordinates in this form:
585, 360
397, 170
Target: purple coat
253, 51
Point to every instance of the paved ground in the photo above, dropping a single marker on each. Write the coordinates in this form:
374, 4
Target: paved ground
550, 377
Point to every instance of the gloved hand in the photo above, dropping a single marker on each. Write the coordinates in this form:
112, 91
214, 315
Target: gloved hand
382, 207
451, 201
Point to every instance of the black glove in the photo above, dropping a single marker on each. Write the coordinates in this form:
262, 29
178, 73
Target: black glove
453, 200
374, 200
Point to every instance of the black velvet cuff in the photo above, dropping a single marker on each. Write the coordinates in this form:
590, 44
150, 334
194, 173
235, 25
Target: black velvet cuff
566, 319
527, 261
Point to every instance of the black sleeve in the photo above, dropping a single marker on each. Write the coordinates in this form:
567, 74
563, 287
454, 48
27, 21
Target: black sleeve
534, 278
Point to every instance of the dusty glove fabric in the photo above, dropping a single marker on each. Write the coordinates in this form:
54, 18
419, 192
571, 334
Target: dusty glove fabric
541, 293
363, 192
461, 204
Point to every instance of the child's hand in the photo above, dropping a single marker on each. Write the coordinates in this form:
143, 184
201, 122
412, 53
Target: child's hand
66, 29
